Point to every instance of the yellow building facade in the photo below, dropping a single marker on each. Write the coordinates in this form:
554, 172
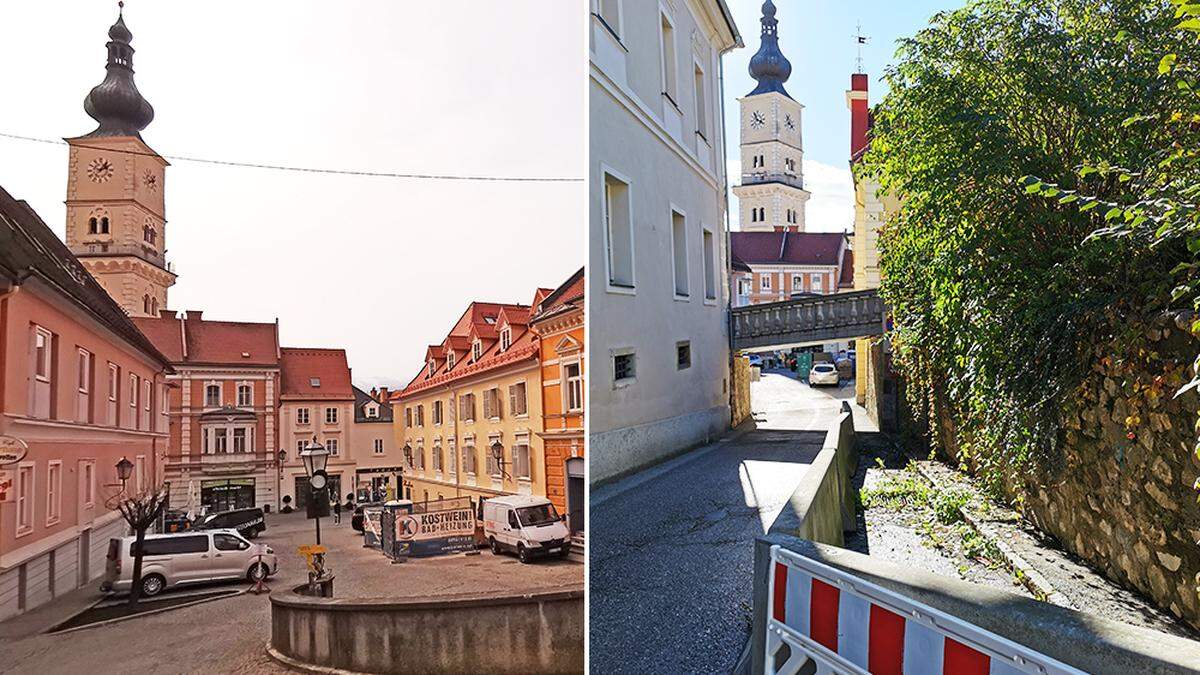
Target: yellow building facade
468, 424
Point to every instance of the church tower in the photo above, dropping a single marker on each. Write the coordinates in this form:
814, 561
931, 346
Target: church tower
116, 223
772, 195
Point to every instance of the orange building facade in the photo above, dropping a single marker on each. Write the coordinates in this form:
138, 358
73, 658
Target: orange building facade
558, 322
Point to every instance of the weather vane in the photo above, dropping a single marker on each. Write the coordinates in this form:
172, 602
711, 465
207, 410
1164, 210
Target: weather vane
860, 40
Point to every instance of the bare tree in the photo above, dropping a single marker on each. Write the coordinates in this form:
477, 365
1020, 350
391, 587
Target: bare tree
141, 510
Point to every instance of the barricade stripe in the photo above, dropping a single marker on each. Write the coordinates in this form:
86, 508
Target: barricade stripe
922, 649
886, 652
824, 614
960, 659
781, 575
854, 624
796, 606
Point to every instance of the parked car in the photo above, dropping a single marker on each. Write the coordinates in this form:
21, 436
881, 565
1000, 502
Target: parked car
823, 373
356, 519
249, 522
180, 558
528, 525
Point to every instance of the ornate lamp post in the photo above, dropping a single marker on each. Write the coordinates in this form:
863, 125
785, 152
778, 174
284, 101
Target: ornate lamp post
124, 471
315, 457
408, 462
279, 481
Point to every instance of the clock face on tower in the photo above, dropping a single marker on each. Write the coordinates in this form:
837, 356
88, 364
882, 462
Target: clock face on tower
789, 122
757, 119
150, 180
100, 170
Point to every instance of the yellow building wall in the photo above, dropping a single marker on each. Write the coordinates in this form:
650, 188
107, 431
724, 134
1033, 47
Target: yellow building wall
426, 482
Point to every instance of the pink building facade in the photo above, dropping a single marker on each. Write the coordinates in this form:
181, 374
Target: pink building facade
81, 390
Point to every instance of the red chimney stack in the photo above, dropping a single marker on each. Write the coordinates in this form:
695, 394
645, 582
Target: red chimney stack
856, 100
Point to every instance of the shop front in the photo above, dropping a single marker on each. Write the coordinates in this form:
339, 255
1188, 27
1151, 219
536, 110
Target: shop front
227, 494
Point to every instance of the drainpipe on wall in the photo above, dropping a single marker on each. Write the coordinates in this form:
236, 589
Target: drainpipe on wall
724, 201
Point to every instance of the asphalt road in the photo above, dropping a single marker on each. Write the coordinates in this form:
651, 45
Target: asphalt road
671, 548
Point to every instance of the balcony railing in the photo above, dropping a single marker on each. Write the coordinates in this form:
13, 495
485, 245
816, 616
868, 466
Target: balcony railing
100, 248
765, 177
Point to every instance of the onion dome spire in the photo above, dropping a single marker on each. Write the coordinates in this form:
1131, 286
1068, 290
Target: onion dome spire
769, 66
116, 102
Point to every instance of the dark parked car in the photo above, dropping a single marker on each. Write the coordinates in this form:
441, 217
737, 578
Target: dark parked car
176, 521
356, 520
249, 522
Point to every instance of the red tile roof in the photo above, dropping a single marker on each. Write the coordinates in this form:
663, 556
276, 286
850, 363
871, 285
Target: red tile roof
847, 278
567, 295
200, 341
300, 367
788, 248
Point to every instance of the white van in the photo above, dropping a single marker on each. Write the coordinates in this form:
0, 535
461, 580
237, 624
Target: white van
186, 558
525, 524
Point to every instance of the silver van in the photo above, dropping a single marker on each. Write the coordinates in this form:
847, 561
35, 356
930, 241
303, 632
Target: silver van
178, 558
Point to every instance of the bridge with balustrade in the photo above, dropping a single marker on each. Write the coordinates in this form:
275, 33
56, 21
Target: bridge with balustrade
810, 319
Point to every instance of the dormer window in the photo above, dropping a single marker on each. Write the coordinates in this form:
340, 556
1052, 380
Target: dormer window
505, 338
314, 382
372, 411
432, 367
450, 359
476, 350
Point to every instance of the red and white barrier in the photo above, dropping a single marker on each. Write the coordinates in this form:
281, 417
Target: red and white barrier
848, 625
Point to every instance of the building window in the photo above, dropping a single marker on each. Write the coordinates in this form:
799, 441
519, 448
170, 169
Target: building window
314, 382
245, 396
468, 462
165, 400
104, 225
709, 248
683, 355
92, 225
408, 418
449, 359
220, 440
421, 415
83, 406
331, 444
517, 403
24, 499
147, 403
378, 446
743, 286
521, 460
301, 415
331, 415
89, 484
618, 231
300, 446
133, 401
437, 413
668, 58
764, 282
53, 492
437, 457
572, 378
476, 350
679, 252
42, 393
239, 439
701, 103
114, 387
815, 280
609, 12
491, 403
212, 396
505, 338
797, 283
466, 407
371, 411
453, 457
493, 465
420, 456
624, 367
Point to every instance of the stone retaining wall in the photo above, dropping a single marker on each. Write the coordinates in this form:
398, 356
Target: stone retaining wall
1122, 497
822, 507
529, 633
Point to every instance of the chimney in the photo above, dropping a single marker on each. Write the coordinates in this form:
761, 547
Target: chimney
166, 313
375, 393
856, 100
194, 314
383, 394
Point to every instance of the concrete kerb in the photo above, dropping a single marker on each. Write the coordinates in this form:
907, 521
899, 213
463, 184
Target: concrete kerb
139, 615
1029, 576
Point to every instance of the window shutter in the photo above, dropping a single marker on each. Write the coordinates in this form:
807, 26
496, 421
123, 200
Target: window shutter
512, 400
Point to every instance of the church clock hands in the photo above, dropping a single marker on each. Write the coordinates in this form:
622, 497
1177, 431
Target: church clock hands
757, 119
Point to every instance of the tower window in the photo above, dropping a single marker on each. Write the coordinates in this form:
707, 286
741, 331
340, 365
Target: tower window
92, 226
104, 225
146, 304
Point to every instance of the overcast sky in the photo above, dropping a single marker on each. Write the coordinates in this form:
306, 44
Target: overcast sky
381, 267
817, 37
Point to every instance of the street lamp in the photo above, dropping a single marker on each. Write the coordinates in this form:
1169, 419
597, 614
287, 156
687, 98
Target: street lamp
124, 471
409, 462
315, 456
498, 456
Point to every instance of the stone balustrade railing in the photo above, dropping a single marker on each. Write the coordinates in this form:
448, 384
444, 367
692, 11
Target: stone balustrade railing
816, 318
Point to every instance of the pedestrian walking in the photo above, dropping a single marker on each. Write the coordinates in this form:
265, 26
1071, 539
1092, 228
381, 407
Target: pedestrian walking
337, 512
